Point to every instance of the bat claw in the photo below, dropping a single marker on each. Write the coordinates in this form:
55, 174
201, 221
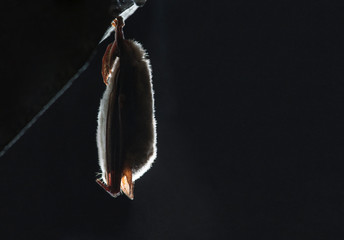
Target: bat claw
117, 22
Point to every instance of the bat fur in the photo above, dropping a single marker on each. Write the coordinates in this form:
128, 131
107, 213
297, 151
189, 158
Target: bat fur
138, 125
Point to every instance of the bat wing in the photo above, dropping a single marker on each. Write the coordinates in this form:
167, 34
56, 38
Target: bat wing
126, 135
108, 134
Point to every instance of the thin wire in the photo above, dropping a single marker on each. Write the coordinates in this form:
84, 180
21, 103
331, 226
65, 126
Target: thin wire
46, 107
127, 13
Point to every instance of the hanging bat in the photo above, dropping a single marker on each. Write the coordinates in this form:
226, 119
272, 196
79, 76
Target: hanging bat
126, 135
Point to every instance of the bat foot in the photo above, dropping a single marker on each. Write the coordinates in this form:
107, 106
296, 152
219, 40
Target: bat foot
114, 23
118, 22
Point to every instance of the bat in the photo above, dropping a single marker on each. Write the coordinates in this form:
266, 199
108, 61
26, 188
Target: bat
126, 133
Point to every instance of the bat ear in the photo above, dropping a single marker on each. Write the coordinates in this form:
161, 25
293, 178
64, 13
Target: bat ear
127, 185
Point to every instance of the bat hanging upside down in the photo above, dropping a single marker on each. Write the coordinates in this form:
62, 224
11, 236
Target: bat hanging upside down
126, 135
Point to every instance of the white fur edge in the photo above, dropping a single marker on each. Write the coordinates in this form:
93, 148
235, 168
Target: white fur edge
138, 173
102, 116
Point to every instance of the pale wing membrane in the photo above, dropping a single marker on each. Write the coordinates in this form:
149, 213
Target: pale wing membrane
102, 120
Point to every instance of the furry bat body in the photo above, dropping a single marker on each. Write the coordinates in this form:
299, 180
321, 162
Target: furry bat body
126, 135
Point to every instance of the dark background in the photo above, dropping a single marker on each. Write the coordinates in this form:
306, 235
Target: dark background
249, 101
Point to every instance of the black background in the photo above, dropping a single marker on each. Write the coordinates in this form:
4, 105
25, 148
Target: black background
249, 101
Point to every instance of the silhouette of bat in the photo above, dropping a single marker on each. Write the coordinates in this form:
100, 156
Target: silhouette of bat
126, 134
